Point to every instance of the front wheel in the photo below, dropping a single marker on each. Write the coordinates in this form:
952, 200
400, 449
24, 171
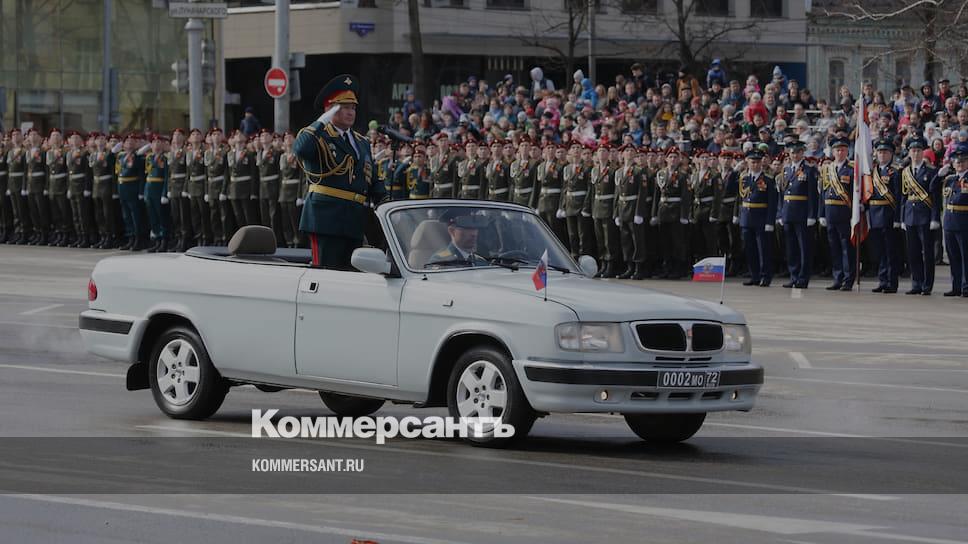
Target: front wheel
665, 428
183, 380
347, 406
483, 384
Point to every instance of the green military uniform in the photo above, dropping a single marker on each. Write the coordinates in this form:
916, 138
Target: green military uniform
496, 173
524, 182
473, 182
60, 205
105, 198
242, 188
397, 190
726, 187
581, 230
79, 188
178, 199
600, 203
292, 191
548, 176
339, 167
269, 182
670, 211
702, 187
418, 182
37, 196
220, 211
6, 211
198, 205
631, 220
16, 184
443, 175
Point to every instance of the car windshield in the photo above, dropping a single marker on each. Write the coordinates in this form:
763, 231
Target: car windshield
435, 238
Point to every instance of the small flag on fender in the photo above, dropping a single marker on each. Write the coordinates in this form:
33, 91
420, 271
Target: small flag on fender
709, 269
540, 276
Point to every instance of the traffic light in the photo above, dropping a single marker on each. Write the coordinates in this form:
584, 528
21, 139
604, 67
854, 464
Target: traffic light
208, 66
180, 83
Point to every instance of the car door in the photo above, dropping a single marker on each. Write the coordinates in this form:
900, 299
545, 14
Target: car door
347, 326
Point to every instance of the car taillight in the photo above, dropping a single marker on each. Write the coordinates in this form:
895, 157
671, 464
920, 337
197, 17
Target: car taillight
91, 290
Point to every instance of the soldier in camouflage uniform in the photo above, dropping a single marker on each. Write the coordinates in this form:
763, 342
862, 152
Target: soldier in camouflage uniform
292, 190
670, 213
600, 204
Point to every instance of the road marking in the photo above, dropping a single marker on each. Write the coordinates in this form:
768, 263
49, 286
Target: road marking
753, 522
796, 293
785, 430
800, 359
28, 324
224, 518
864, 384
41, 309
63, 371
526, 462
881, 369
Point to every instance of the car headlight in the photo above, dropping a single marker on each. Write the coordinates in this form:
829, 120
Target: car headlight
736, 338
593, 337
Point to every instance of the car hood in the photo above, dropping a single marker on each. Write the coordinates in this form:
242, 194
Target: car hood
597, 300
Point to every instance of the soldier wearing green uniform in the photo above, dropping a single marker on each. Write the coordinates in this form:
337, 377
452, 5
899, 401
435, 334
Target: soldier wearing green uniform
628, 215
702, 188
37, 190
57, 189
242, 188
600, 204
496, 174
418, 175
17, 185
575, 179
178, 198
443, 169
523, 177
79, 191
104, 193
220, 211
670, 213
292, 191
397, 190
548, 176
6, 213
130, 170
195, 187
156, 194
268, 163
339, 166
473, 183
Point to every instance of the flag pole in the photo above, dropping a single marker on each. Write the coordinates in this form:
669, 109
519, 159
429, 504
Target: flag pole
722, 283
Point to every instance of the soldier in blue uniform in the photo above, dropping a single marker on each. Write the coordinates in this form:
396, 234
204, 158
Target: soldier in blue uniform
955, 190
920, 214
885, 216
757, 214
418, 175
130, 167
341, 173
798, 213
837, 181
156, 193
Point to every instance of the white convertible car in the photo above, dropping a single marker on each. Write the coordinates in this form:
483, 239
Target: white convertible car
448, 316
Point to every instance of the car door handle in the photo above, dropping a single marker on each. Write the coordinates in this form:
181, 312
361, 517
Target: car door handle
310, 287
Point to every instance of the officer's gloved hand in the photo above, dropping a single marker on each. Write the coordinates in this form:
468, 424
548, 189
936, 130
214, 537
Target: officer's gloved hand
68, 194
735, 220
205, 198
115, 196
638, 219
683, 221
768, 227
713, 219
164, 200
222, 197
169, 195
944, 170
299, 202
23, 192
823, 221
897, 225
586, 214
141, 197
654, 221
779, 221
253, 197
184, 194
903, 226
618, 222
8, 192
560, 214
935, 225
45, 192
811, 222
87, 194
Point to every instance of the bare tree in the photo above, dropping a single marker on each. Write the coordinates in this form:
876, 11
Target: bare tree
559, 34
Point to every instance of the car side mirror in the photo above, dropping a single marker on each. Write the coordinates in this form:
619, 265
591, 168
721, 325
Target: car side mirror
370, 260
588, 265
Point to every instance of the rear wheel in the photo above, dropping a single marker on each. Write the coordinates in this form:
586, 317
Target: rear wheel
348, 406
665, 428
183, 381
483, 384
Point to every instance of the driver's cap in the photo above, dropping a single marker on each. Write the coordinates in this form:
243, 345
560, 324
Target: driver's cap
464, 218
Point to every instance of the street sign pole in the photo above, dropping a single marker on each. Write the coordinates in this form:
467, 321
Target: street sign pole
281, 60
194, 28
106, 70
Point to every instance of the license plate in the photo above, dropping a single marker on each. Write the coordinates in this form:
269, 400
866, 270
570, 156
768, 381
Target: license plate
688, 379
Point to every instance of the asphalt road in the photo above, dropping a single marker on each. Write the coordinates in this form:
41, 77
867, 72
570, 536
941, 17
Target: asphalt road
859, 436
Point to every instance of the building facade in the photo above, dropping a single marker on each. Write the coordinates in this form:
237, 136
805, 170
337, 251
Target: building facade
51, 66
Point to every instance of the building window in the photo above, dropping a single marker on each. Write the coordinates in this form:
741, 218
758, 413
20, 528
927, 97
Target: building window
835, 70
444, 3
507, 4
366, 3
902, 72
579, 6
871, 71
712, 8
640, 6
766, 8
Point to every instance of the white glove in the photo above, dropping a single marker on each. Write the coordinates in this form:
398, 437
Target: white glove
560, 214
618, 222
23, 192
300, 202
68, 194
683, 221
45, 192
184, 194
169, 195
823, 221
735, 220
935, 225
205, 198
141, 197
811, 222
8, 192
87, 194
164, 200
253, 197
654, 221
713, 219
638, 219
115, 196
222, 197
897, 225
586, 214
768, 228
944, 170
692, 221
903, 226
779, 221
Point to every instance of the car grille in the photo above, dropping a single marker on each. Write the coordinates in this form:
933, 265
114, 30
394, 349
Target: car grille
676, 336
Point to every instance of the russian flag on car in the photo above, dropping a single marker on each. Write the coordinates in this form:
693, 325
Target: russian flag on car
709, 269
540, 276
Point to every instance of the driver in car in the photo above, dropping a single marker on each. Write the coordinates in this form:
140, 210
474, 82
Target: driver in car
463, 227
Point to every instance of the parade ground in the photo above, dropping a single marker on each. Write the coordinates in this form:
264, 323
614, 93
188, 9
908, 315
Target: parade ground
859, 435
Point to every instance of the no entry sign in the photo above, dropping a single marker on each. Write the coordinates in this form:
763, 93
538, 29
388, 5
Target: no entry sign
276, 82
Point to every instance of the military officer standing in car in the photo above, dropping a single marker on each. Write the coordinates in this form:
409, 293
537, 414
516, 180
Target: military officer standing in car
342, 176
